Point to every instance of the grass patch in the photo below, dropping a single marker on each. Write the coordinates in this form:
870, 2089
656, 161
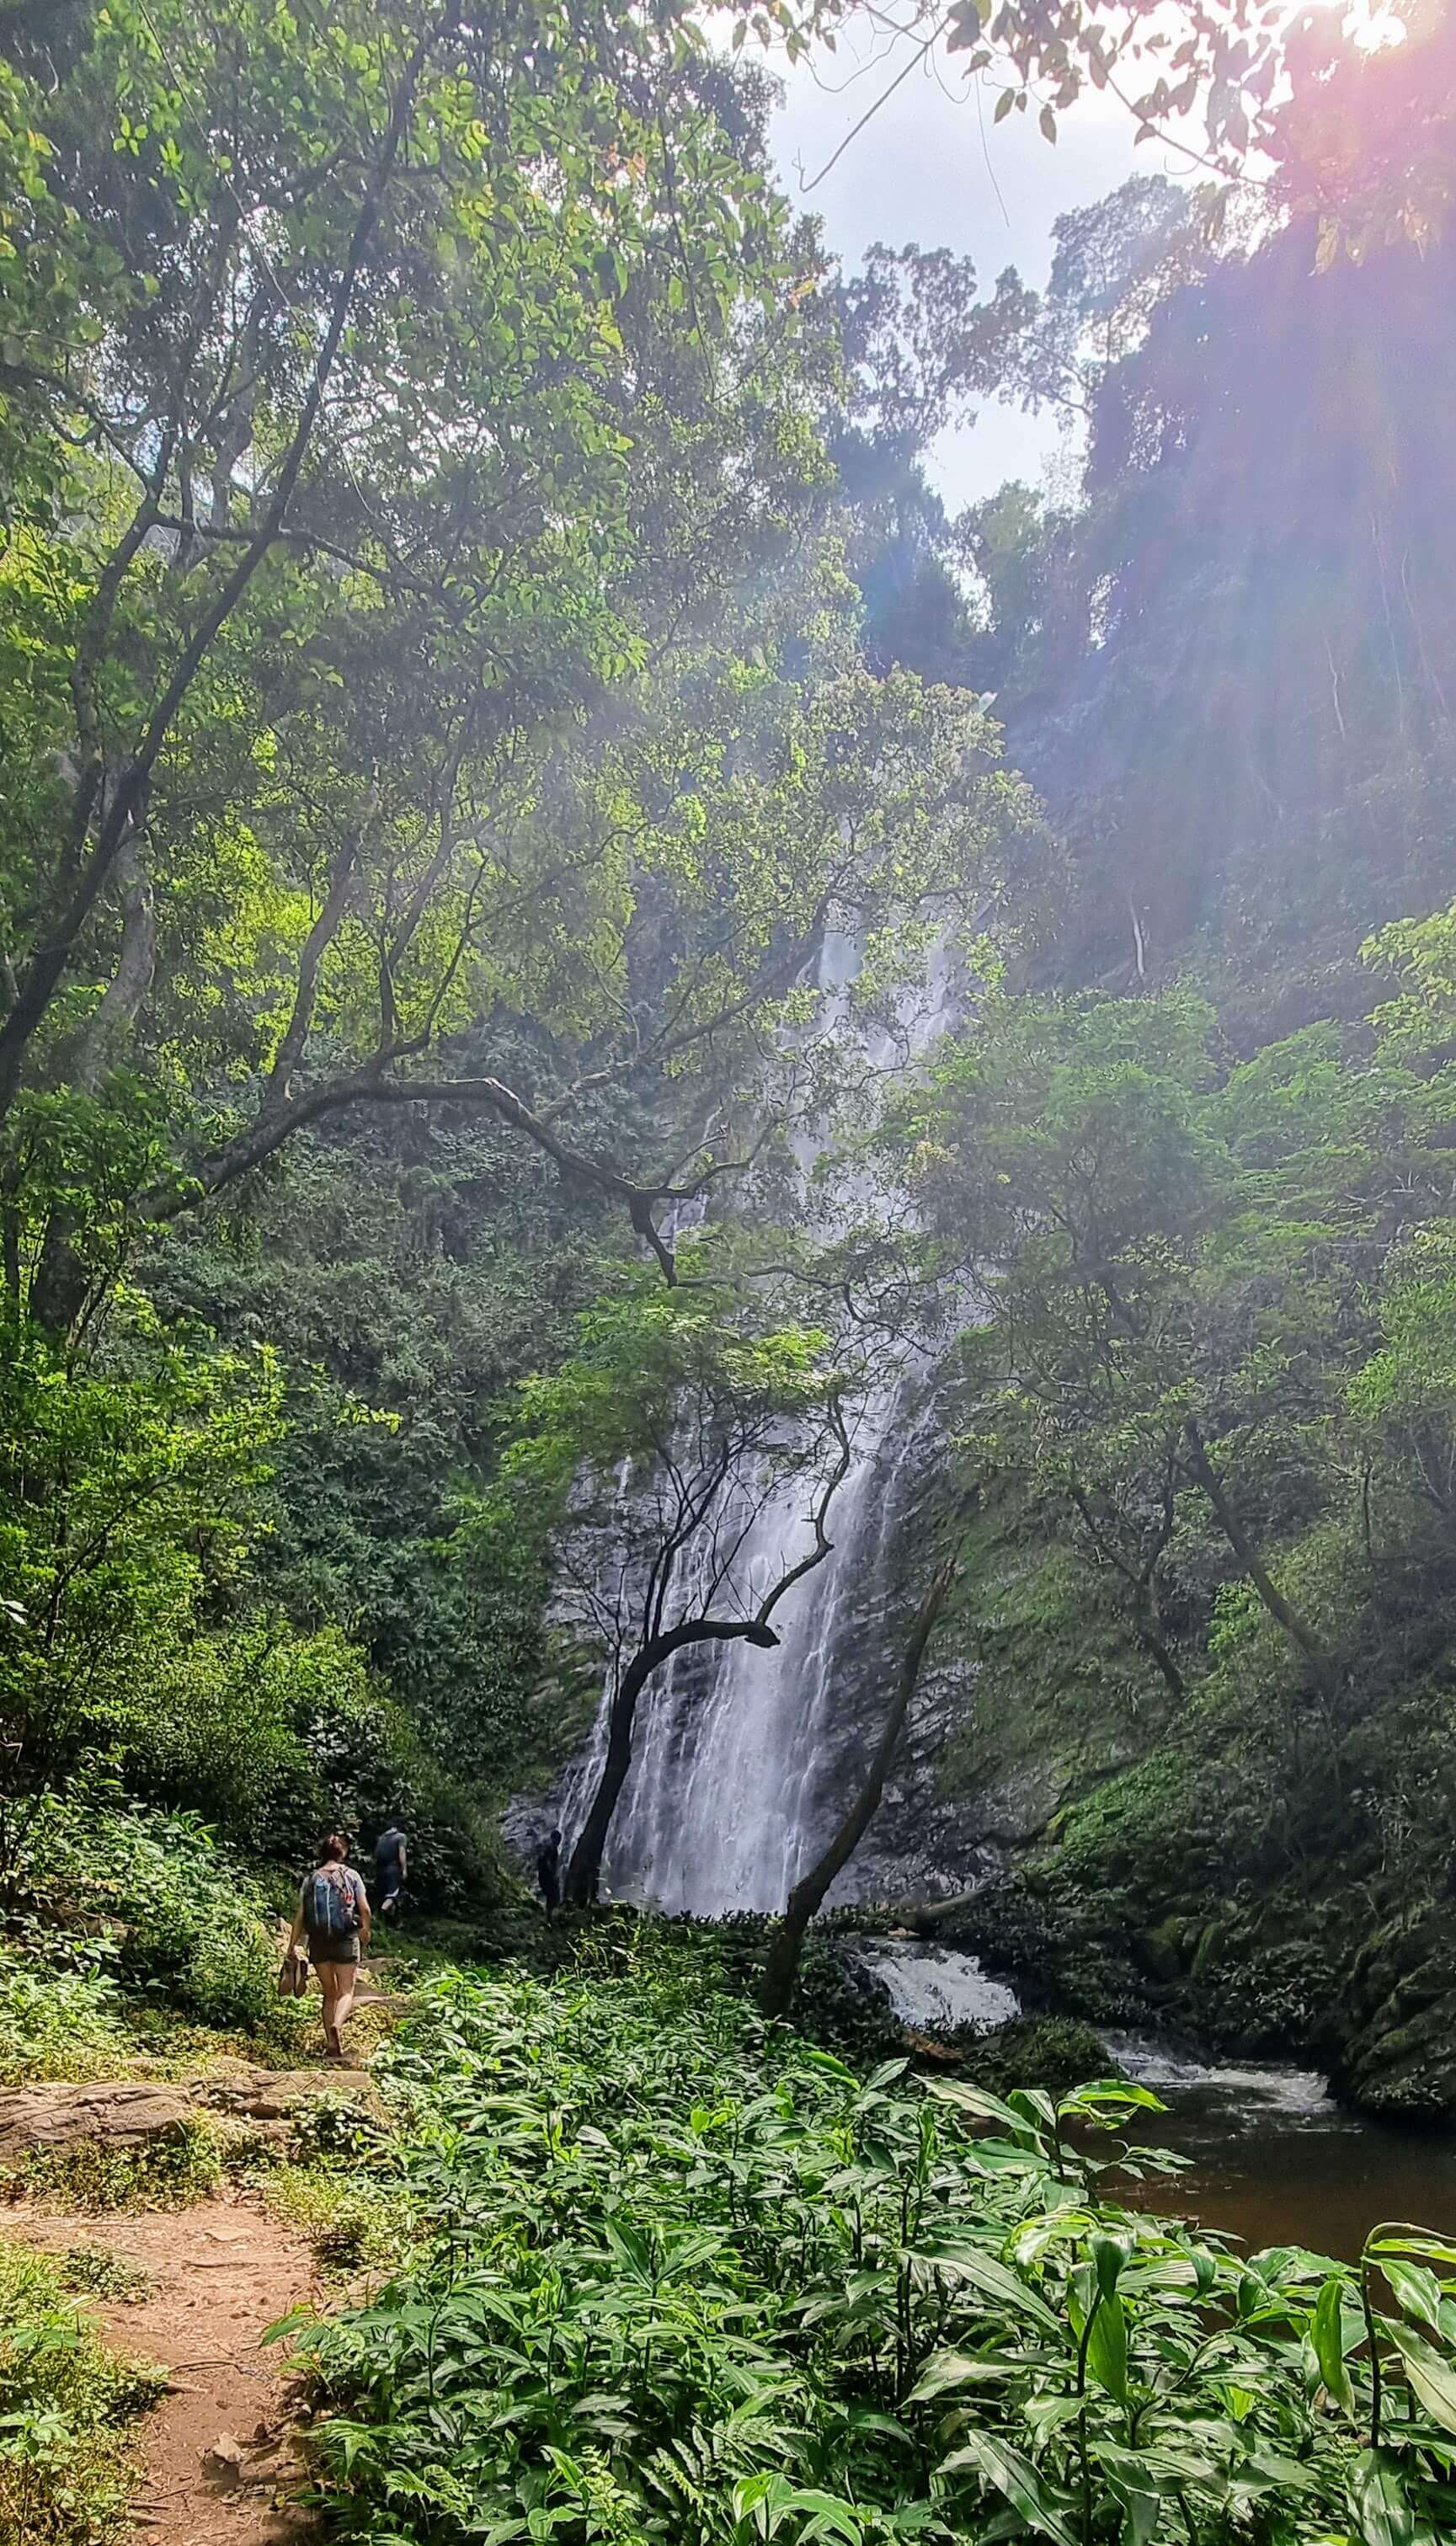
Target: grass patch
99, 2273
168, 2172
352, 2225
67, 2409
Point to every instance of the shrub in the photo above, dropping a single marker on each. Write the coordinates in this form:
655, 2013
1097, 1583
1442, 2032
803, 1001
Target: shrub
689, 2278
1056, 2050
60, 2011
185, 1914
97, 2273
352, 2224
65, 2406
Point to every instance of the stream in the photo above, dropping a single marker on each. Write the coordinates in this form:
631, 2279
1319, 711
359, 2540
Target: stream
1272, 2159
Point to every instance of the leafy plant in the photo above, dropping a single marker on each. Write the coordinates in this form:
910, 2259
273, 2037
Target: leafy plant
100, 2273
186, 1913
60, 2011
688, 2280
66, 2407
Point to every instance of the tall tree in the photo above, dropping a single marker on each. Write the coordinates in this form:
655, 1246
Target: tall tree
365, 433
809, 1893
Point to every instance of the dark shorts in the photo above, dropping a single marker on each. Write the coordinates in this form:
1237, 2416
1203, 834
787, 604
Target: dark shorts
333, 1949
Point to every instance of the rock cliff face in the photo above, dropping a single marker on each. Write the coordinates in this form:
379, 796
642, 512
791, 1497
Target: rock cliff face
744, 1765
1400, 2054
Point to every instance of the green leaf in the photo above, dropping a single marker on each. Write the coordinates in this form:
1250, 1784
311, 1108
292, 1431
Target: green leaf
1433, 2379
994, 2280
885, 2076
1015, 2477
1143, 2511
1109, 2254
1380, 2501
977, 2100
1327, 2333
945, 2371
1418, 2292
1432, 2249
1107, 2349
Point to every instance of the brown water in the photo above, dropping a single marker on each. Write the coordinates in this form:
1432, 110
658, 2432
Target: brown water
1273, 2157
1277, 2161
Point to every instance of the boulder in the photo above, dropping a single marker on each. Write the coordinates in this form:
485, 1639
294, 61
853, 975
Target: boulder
281, 2094
119, 2113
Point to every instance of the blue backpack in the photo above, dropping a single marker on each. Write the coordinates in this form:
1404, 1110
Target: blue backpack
332, 1905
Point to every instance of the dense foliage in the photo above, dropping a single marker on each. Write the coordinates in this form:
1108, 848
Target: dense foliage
689, 2282
66, 2402
501, 800
497, 740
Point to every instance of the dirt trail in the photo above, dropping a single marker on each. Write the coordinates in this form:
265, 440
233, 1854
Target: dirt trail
219, 2449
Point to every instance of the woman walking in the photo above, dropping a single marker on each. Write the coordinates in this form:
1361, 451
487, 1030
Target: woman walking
333, 1916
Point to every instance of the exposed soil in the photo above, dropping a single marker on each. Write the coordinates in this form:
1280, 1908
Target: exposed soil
220, 2448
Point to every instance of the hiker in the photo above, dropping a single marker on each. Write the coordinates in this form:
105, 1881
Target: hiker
549, 1872
333, 1916
390, 1867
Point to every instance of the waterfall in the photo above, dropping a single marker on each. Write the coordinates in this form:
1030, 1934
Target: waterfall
732, 1786
741, 1755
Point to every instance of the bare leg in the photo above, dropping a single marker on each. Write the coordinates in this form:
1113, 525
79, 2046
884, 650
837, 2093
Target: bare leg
347, 1977
330, 1976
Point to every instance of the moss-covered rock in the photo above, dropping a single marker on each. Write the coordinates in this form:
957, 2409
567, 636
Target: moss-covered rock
1052, 2051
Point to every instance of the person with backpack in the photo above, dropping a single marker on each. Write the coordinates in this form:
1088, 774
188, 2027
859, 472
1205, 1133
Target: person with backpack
333, 1918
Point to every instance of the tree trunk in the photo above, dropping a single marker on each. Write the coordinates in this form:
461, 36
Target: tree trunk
125, 814
1322, 1663
584, 1866
1158, 1652
781, 1971
58, 1291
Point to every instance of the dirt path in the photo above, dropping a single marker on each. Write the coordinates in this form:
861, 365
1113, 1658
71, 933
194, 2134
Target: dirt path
218, 2448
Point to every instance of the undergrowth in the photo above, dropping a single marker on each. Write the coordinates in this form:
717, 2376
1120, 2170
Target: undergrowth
67, 2404
166, 2173
183, 1918
99, 2273
353, 2224
60, 2012
687, 2279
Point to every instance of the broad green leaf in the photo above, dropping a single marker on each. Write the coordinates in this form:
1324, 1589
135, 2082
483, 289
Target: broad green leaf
1109, 2254
945, 2371
1418, 2292
1433, 2379
1327, 2335
994, 2278
1107, 2349
885, 2075
1380, 2501
1015, 2477
976, 2100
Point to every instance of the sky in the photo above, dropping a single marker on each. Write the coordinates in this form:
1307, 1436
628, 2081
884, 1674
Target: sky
929, 169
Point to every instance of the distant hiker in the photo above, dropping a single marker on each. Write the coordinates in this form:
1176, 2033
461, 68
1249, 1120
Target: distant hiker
390, 1867
333, 1916
549, 1872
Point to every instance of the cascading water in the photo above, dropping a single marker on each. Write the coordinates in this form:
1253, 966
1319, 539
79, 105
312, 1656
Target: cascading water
739, 1752
732, 1778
